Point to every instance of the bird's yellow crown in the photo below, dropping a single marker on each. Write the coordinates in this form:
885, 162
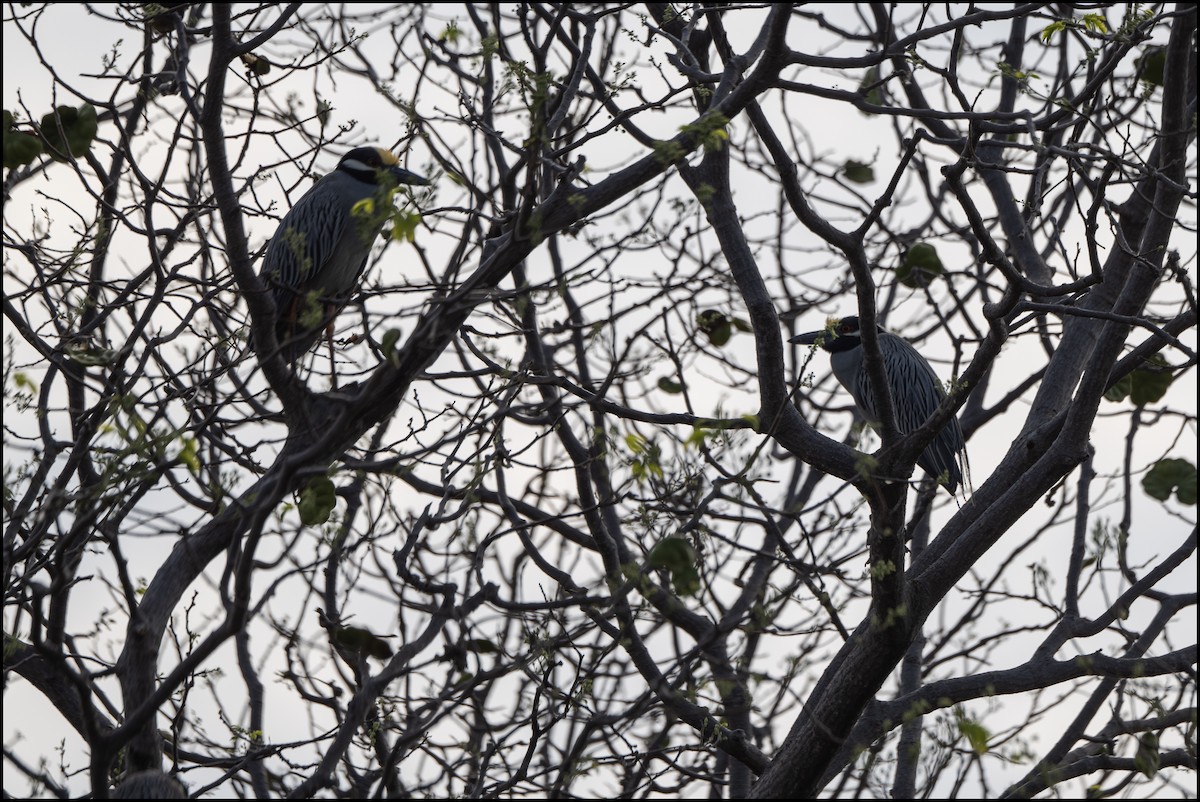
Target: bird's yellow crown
387, 157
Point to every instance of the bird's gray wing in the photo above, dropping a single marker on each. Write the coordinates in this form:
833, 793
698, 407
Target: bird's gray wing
911, 378
303, 244
922, 394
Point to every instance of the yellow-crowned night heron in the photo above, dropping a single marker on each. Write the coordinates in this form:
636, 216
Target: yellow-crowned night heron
318, 253
916, 391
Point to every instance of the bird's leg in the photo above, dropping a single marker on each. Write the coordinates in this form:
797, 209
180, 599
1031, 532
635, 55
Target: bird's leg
332, 362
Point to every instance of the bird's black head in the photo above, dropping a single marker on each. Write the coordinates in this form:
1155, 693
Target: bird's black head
367, 164
838, 335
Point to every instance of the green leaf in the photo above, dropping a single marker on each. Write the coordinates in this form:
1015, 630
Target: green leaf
161, 18
450, 33
404, 226
19, 149
715, 325
390, 338
670, 386
481, 646
1151, 65
1120, 391
858, 172
317, 500
871, 90
22, 381
324, 108
677, 557
69, 132
1096, 23
1148, 386
1058, 26
255, 64
1147, 760
920, 266
189, 456
311, 311
975, 733
720, 335
709, 130
1167, 475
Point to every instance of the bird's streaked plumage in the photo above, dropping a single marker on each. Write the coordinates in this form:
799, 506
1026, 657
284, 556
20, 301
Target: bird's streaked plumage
916, 391
317, 255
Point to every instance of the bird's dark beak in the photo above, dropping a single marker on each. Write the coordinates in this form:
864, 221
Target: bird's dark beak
814, 337
406, 177
822, 337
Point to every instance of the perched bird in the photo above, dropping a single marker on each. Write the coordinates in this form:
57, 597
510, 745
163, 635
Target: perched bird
317, 255
916, 391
